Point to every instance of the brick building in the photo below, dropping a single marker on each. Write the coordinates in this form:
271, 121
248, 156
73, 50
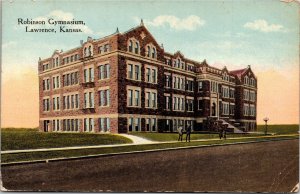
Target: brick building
127, 82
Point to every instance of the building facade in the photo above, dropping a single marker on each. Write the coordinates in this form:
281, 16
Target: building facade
127, 82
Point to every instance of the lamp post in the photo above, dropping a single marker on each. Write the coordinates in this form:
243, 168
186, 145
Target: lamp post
266, 121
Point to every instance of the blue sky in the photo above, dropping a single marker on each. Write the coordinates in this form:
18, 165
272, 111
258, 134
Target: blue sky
236, 33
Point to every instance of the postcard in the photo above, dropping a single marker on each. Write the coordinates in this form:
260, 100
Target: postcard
150, 96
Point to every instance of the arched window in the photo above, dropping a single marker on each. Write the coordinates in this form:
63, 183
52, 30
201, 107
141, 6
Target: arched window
137, 48
153, 52
130, 48
90, 51
178, 63
148, 51
85, 52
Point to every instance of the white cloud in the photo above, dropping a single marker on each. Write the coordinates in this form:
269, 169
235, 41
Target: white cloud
9, 44
64, 16
189, 23
263, 26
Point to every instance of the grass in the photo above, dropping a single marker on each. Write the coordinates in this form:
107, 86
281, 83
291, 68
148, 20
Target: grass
279, 129
19, 139
84, 152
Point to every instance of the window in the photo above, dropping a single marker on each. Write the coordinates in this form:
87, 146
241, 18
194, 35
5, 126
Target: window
252, 110
130, 97
189, 85
168, 102
231, 92
252, 96
150, 74
130, 47
150, 98
178, 103
70, 79
246, 109
200, 105
104, 71
55, 103
190, 105
100, 49
225, 108
151, 124
246, 94
88, 75
134, 72
214, 86
104, 124
88, 124
167, 81
56, 125
71, 101
225, 92
246, 80
151, 51
55, 82
106, 48
148, 51
130, 124
104, 98
200, 86
133, 97
137, 48
46, 104
130, 71
71, 125
133, 46
225, 77
178, 82
46, 84
89, 100
134, 124
137, 72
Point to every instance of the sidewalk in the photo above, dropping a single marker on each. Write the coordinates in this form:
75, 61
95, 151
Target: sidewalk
136, 141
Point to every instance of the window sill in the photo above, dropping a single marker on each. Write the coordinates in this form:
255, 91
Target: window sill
134, 79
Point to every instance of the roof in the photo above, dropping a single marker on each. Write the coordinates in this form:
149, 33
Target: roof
238, 72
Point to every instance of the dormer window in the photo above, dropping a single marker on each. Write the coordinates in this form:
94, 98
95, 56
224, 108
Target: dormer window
88, 50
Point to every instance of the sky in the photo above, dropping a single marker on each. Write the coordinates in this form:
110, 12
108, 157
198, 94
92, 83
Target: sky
263, 34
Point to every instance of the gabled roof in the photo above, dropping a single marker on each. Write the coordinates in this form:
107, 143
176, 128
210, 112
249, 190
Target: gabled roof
141, 26
178, 53
238, 72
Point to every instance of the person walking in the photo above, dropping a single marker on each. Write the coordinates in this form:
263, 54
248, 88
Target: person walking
220, 133
180, 133
188, 133
224, 134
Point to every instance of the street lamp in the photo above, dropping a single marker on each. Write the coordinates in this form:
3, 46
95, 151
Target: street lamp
266, 121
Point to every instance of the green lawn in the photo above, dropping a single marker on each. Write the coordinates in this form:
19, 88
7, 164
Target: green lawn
279, 129
15, 139
85, 152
